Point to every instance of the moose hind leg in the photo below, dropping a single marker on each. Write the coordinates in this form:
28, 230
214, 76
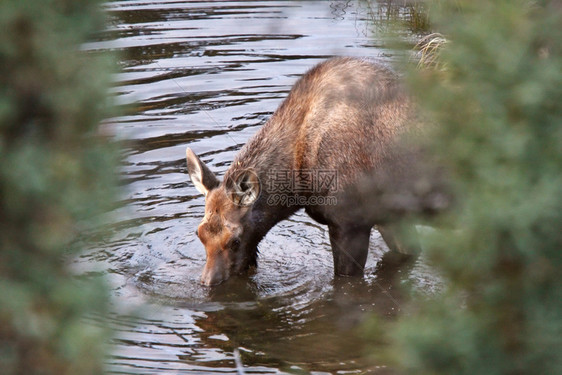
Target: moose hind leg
401, 238
350, 245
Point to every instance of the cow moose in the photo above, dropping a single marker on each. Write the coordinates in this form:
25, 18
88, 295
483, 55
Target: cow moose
336, 143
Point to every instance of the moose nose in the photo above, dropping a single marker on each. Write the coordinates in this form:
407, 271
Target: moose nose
215, 272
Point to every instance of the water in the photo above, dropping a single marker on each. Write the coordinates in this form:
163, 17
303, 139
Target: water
207, 75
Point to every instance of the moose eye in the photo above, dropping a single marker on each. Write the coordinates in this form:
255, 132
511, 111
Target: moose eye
234, 243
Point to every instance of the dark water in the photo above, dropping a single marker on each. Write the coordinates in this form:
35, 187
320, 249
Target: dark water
207, 75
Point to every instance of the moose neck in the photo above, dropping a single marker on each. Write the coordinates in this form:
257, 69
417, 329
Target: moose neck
272, 150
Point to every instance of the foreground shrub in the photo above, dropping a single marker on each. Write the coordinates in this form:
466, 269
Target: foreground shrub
496, 97
56, 176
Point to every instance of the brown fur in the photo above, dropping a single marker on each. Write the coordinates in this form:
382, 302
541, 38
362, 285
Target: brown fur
330, 113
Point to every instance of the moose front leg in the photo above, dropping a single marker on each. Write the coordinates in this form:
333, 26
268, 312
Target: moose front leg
350, 245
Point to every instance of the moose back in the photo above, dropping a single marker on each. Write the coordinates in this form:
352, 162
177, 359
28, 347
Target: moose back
333, 147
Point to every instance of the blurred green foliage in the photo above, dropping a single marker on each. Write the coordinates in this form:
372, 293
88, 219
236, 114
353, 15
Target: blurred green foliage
56, 177
403, 16
496, 98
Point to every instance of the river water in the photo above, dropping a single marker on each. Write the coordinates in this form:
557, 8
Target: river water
207, 75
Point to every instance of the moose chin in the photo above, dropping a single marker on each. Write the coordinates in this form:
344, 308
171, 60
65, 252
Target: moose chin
336, 148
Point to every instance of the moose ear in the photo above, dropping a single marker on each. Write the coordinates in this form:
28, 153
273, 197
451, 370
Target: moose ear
201, 176
245, 188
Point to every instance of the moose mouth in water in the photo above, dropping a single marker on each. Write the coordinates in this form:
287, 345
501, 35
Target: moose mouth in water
334, 148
